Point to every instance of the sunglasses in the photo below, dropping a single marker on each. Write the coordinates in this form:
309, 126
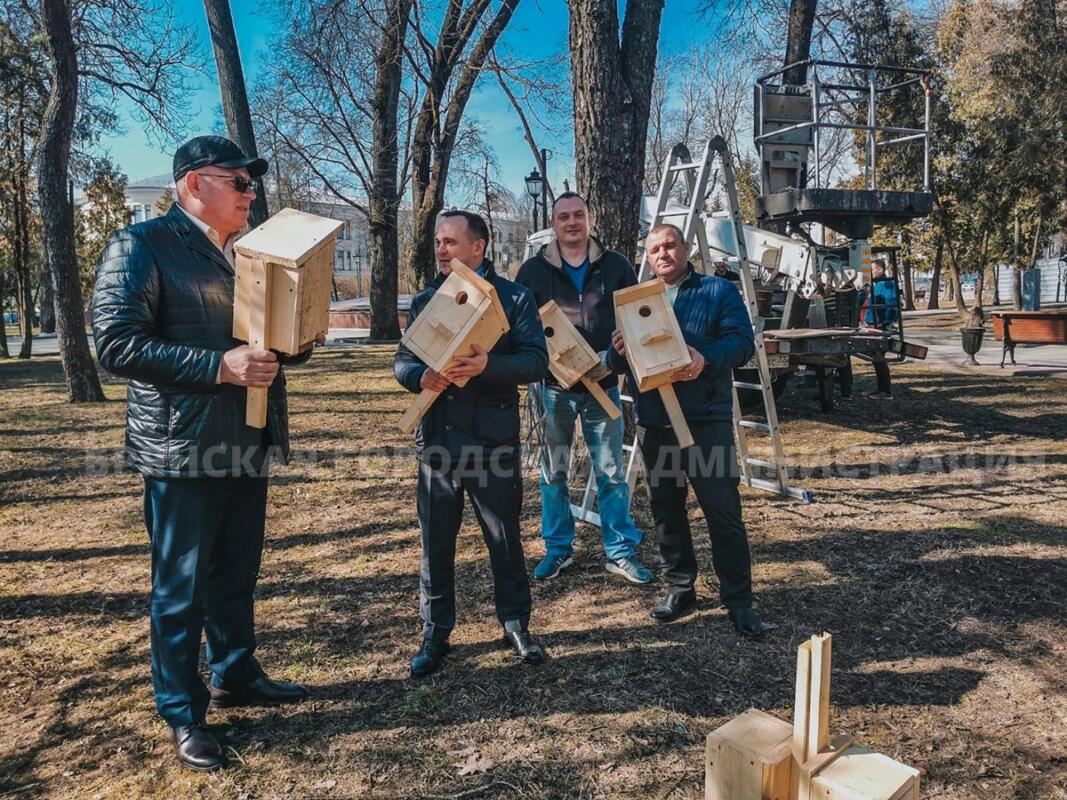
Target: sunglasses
242, 185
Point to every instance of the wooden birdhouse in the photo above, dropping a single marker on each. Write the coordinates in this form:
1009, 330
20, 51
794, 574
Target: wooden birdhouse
464, 311
284, 276
570, 358
655, 348
758, 757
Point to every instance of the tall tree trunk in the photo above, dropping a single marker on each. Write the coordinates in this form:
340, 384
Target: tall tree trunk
48, 303
234, 94
935, 277
905, 268
798, 39
979, 286
955, 284
4, 351
437, 127
23, 287
384, 202
490, 246
612, 89
53, 163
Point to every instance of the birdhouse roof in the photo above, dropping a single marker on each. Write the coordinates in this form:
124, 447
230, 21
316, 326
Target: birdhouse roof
290, 237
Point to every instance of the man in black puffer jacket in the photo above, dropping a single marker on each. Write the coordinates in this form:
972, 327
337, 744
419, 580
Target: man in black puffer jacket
468, 444
163, 318
581, 276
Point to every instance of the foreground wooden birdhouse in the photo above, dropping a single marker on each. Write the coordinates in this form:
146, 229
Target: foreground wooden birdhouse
464, 311
655, 348
570, 358
758, 757
284, 274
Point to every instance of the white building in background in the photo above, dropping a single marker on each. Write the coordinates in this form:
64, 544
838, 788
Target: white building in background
351, 260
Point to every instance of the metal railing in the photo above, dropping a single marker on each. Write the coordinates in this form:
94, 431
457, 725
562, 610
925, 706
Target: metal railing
855, 94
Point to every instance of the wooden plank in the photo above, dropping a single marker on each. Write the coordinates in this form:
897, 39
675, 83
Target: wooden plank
417, 410
601, 397
285, 287
258, 326
819, 704
807, 772
242, 296
801, 699
674, 411
289, 237
861, 774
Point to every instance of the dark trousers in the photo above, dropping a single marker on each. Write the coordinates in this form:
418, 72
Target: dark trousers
710, 466
495, 491
207, 539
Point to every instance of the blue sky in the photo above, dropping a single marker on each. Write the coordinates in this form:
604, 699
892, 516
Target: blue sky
538, 29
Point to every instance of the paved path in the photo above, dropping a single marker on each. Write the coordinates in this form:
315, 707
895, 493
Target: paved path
945, 351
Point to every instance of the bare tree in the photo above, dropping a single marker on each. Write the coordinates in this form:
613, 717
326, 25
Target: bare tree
798, 39
232, 86
336, 105
443, 105
612, 89
53, 161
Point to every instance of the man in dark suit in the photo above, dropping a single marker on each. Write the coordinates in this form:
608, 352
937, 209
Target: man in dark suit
163, 318
468, 443
718, 332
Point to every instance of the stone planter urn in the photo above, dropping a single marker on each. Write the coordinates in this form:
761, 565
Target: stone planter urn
971, 339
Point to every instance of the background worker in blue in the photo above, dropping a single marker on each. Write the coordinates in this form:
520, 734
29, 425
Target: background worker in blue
717, 329
883, 312
581, 275
163, 318
468, 443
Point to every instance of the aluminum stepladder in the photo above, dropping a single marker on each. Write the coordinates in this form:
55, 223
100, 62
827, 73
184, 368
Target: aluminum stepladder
698, 177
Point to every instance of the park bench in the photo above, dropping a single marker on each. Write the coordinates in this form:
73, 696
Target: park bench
1028, 327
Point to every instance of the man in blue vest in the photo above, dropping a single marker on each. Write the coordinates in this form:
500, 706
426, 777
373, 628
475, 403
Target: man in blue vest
163, 318
581, 275
718, 332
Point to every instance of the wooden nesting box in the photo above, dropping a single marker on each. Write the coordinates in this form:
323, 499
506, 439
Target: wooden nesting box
655, 348
282, 292
464, 311
570, 358
749, 758
860, 774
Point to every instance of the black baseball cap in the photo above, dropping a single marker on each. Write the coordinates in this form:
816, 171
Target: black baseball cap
217, 151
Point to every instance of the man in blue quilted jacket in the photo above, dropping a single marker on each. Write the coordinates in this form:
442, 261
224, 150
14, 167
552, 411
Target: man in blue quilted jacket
163, 319
718, 332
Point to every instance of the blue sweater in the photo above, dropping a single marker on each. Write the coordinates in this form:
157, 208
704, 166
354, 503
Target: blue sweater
715, 322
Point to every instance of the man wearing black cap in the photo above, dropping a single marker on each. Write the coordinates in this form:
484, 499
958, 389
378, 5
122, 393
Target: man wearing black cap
163, 319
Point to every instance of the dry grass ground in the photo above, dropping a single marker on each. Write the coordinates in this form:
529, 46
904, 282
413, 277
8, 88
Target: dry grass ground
935, 554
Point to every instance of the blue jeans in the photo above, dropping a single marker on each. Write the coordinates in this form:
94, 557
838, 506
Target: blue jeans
603, 436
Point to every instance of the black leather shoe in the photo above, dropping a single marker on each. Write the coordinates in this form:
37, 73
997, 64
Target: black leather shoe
197, 747
525, 646
429, 658
674, 605
746, 623
260, 692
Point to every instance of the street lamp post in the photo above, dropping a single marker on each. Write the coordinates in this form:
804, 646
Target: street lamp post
534, 185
